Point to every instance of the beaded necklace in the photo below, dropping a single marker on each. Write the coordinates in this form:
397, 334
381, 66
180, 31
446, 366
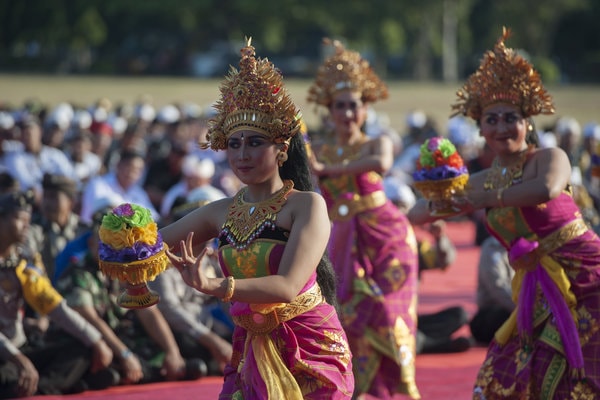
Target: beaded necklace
499, 177
338, 154
245, 221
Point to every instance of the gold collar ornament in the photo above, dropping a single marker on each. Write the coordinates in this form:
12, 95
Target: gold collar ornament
345, 70
503, 76
245, 221
499, 177
253, 98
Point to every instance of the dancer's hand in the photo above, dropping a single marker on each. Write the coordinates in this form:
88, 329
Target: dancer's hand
317, 167
476, 199
188, 265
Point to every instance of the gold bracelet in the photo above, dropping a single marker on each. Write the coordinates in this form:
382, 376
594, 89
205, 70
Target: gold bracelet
230, 289
499, 197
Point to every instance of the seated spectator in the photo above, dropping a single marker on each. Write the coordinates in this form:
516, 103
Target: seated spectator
102, 143
197, 173
57, 223
86, 164
144, 347
435, 331
120, 186
200, 325
52, 362
8, 142
165, 170
36, 159
494, 291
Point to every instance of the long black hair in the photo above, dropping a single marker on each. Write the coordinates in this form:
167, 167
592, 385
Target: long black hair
297, 170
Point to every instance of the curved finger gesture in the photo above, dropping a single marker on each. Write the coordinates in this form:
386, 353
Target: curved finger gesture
188, 265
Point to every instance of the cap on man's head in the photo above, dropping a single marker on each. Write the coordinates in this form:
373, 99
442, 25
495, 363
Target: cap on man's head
101, 128
201, 168
8, 183
15, 201
28, 120
60, 183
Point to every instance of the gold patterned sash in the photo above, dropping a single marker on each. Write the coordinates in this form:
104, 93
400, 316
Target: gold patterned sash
344, 209
549, 243
266, 317
556, 272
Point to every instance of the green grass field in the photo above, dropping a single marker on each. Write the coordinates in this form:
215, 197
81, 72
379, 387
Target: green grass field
581, 102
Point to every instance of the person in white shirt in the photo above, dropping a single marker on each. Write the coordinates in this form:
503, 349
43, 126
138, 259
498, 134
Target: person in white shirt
28, 166
86, 164
120, 186
197, 173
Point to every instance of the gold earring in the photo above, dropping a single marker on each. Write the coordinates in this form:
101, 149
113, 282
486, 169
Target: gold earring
281, 158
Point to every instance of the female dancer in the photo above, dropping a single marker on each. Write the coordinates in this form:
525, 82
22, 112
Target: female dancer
288, 342
549, 346
372, 246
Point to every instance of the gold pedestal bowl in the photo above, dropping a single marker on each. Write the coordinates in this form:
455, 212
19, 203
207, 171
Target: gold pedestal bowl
135, 276
440, 193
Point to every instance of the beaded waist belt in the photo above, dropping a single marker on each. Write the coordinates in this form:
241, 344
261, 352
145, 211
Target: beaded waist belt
264, 321
549, 243
346, 208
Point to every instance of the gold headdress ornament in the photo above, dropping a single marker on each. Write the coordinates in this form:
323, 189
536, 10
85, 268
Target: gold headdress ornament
253, 98
345, 70
503, 76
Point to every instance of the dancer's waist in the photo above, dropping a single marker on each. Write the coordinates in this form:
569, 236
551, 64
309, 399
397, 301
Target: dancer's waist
550, 243
345, 208
262, 321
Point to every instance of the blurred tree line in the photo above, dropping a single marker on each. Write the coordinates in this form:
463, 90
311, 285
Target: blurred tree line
406, 39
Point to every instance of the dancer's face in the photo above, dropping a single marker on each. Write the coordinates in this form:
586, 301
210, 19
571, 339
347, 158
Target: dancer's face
504, 128
348, 112
252, 156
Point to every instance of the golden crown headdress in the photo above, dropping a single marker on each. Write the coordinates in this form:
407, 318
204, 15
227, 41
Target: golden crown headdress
345, 70
253, 97
503, 76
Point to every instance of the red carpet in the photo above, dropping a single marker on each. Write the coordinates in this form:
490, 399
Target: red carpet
444, 375
438, 375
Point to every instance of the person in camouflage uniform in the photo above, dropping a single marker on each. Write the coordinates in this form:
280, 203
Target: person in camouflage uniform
144, 347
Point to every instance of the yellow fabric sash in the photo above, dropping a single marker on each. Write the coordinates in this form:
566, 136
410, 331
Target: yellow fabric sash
558, 276
280, 382
554, 269
278, 379
37, 289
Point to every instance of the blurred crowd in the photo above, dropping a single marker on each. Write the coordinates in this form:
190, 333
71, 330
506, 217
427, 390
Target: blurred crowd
76, 162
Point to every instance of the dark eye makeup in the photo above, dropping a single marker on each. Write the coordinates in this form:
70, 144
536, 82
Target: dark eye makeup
343, 105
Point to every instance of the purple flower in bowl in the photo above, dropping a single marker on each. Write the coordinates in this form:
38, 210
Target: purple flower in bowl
124, 210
